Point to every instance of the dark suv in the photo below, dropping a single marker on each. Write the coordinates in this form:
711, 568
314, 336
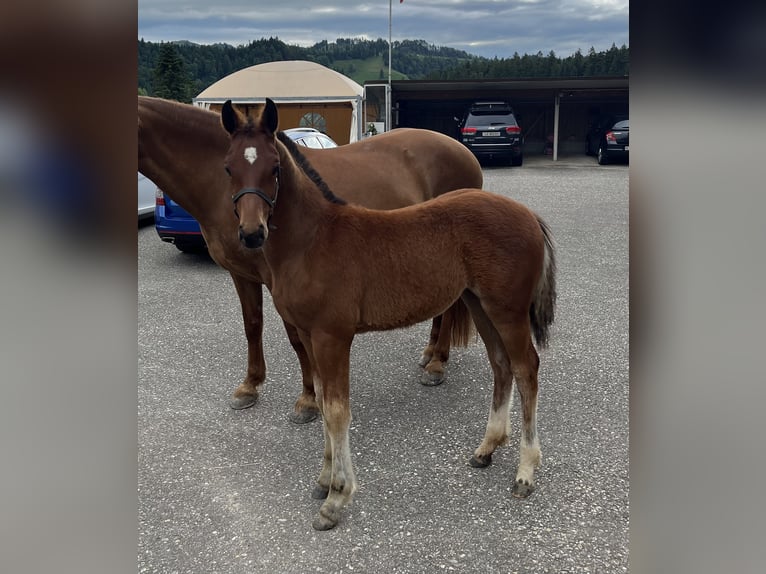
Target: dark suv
490, 130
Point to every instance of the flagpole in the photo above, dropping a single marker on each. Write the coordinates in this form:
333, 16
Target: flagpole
388, 87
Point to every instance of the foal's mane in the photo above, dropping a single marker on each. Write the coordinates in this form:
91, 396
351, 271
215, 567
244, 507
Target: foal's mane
308, 169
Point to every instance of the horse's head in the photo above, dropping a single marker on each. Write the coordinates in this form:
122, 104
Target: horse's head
252, 163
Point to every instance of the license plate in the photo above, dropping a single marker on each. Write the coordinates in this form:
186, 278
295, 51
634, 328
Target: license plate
627, 148
490, 134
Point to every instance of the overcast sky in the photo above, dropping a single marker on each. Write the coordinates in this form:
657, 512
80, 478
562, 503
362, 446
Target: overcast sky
485, 28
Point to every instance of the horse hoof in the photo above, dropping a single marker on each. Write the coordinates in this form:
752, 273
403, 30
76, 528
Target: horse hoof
481, 461
325, 522
522, 489
321, 522
320, 492
242, 402
424, 360
303, 416
431, 379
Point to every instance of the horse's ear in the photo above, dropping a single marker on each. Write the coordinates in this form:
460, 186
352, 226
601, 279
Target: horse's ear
270, 116
229, 118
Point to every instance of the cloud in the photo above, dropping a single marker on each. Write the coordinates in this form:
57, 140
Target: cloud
487, 28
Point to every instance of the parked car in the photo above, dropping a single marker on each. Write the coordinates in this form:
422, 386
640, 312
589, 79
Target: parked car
175, 225
490, 130
310, 137
146, 194
608, 138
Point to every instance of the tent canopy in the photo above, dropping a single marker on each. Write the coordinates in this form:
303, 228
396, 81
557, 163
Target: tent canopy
293, 79
289, 82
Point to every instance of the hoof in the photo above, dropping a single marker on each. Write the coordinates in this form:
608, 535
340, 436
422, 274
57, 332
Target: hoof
522, 489
431, 379
424, 360
303, 416
242, 402
320, 492
481, 461
322, 522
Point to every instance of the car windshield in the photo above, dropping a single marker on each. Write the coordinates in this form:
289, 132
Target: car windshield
623, 125
311, 141
489, 118
327, 142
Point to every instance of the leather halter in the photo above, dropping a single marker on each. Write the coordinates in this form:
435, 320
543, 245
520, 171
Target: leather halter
260, 193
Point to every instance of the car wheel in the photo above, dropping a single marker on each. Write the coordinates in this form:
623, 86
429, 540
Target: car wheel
602, 159
517, 161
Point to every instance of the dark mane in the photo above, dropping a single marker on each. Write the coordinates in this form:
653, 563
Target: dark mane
306, 167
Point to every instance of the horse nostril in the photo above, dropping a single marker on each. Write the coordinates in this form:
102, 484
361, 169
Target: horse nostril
253, 240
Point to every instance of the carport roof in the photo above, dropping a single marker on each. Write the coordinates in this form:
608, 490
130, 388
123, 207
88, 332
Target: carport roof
571, 86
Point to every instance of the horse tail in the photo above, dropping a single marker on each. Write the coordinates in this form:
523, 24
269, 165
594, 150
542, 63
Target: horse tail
542, 307
462, 328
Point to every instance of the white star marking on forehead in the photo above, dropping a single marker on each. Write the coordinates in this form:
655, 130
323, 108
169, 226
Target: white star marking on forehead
250, 154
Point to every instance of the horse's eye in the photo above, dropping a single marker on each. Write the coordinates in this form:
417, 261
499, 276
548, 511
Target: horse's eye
228, 171
275, 171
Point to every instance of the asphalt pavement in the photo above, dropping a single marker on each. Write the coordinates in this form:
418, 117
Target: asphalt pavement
223, 491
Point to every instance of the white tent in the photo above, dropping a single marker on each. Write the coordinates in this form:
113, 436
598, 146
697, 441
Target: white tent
287, 82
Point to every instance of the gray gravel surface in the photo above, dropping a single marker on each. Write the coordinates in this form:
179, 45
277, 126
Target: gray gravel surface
223, 491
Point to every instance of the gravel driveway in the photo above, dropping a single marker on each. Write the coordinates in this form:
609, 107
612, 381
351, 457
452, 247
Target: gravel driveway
229, 491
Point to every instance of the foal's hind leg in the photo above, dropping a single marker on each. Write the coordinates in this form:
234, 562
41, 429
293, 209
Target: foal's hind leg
499, 422
525, 363
510, 350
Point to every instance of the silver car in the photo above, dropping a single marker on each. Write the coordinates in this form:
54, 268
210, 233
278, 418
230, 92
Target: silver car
147, 192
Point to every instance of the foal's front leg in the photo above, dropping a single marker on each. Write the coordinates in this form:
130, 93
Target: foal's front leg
337, 480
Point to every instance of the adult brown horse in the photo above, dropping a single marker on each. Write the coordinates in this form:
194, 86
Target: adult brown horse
327, 257
181, 148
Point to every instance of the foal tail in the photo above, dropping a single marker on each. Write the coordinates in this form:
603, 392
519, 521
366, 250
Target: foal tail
541, 309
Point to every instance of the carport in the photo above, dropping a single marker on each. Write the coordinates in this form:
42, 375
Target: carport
557, 108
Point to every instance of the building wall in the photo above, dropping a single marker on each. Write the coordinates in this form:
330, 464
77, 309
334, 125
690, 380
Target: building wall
337, 116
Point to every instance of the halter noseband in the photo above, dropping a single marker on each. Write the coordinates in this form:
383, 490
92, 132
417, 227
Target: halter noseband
260, 193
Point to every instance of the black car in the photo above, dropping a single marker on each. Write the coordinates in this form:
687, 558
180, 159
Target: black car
490, 130
608, 139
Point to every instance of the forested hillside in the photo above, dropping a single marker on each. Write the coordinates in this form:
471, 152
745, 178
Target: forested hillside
181, 70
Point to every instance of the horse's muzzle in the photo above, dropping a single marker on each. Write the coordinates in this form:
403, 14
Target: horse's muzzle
253, 240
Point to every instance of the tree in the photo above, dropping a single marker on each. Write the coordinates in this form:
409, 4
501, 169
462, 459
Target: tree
171, 80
